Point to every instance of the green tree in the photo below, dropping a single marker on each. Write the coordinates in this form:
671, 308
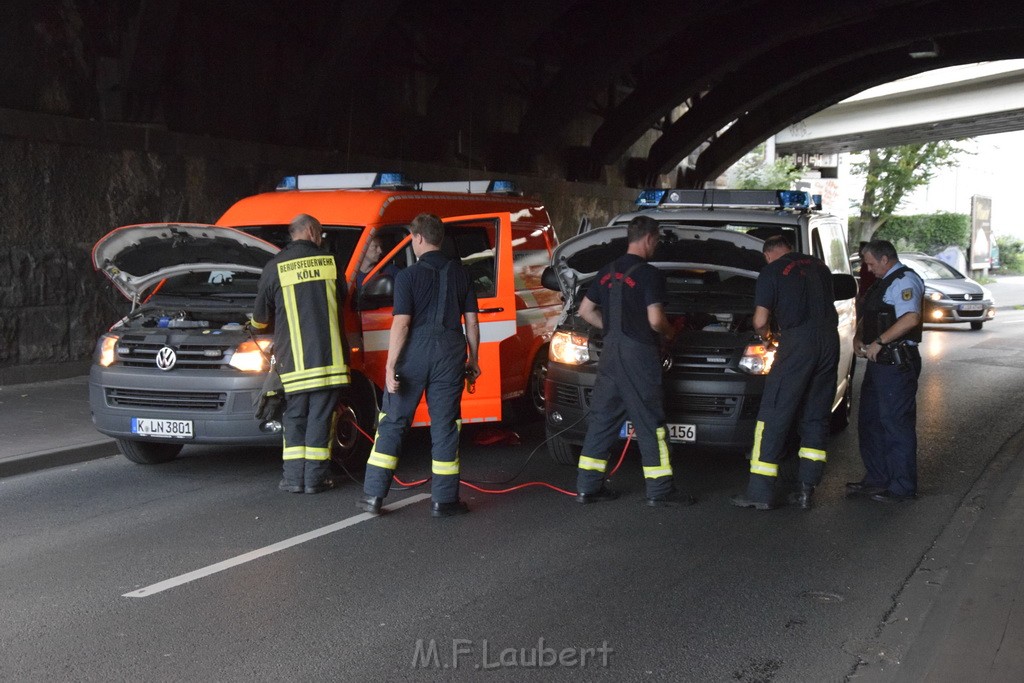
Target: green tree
890, 175
754, 173
930, 233
1011, 254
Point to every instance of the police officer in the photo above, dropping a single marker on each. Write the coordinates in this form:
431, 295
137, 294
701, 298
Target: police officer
888, 335
797, 290
298, 293
626, 300
426, 352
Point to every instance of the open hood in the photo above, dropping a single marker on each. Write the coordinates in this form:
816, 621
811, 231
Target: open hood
578, 259
137, 257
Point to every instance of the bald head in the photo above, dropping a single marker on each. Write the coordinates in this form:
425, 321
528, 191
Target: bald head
305, 227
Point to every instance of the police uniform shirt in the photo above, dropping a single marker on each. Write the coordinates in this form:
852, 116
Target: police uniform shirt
644, 287
415, 291
906, 293
784, 288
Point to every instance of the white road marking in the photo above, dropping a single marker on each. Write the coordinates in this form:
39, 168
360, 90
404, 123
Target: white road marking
267, 550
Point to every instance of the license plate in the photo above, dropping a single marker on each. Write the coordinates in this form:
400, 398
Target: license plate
677, 433
971, 307
174, 429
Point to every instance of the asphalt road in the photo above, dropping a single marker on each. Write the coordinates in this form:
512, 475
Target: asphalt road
708, 593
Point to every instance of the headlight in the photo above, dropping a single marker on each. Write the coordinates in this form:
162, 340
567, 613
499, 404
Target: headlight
106, 350
933, 295
757, 359
249, 356
569, 348
987, 293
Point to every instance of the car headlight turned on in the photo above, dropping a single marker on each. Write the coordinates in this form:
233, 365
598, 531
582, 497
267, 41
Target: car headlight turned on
569, 348
933, 295
250, 356
106, 350
758, 358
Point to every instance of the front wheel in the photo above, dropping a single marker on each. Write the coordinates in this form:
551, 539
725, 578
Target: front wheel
563, 452
976, 325
535, 385
355, 421
148, 452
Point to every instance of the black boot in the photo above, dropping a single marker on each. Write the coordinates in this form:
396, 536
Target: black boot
802, 497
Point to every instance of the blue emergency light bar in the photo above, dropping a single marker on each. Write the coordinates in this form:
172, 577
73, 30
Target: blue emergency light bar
344, 181
727, 199
650, 197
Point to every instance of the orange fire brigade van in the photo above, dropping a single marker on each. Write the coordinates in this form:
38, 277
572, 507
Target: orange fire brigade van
504, 241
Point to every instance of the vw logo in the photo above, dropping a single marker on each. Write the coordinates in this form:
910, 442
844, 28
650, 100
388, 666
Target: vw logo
967, 297
166, 358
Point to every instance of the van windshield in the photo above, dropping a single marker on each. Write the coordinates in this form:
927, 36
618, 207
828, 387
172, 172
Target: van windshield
339, 240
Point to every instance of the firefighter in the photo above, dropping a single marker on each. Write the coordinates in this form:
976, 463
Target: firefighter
797, 290
298, 293
626, 300
426, 353
888, 335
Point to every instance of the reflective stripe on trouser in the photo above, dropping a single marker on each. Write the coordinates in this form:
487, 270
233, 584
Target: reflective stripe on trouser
628, 385
799, 389
308, 431
887, 426
434, 366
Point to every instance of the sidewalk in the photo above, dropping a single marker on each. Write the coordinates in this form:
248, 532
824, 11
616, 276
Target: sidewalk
972, 629
46, 425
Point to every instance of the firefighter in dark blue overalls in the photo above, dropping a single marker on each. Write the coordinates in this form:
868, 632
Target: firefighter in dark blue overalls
797, 290
888, 334
626, 300
426, 353
299, 292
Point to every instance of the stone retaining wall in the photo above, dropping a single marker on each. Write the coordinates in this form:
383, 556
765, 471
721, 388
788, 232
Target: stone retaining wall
67, 182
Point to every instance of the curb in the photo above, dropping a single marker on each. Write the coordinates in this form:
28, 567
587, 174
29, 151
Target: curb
41, 460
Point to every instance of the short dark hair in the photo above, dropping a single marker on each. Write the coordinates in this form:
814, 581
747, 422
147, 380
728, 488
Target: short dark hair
640, 227
776, 242
880, 248
430, 226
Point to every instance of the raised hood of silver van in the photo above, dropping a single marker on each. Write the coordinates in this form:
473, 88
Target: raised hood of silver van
578, 258
137, 257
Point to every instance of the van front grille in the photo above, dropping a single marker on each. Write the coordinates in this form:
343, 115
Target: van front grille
180, 400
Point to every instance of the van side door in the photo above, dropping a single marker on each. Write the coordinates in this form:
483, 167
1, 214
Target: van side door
483, 243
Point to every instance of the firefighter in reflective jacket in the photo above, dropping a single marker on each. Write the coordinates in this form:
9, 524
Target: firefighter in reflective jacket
299, 292
888, 335
626, 300
426, 353
797, 290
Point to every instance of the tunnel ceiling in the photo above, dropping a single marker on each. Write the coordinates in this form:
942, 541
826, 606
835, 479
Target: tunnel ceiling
562, 88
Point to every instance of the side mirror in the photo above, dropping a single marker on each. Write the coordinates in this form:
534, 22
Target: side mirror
844, 286
549, 279
379, 293
584, 226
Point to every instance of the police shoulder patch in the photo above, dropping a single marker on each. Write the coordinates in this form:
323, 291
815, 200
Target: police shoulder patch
908, 294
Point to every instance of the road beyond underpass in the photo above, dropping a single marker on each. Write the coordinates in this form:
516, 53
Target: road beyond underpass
287, 587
